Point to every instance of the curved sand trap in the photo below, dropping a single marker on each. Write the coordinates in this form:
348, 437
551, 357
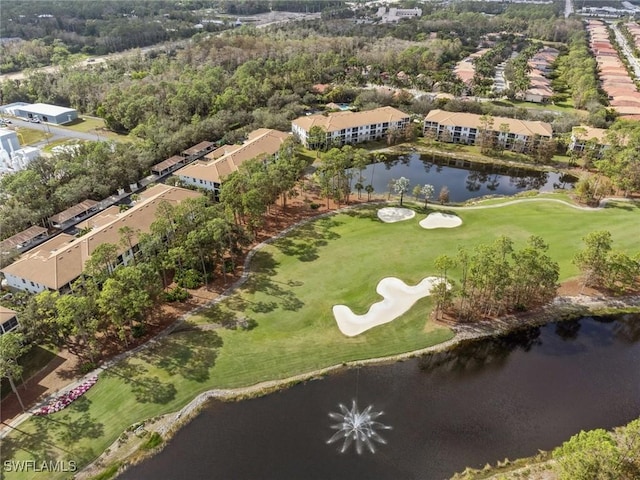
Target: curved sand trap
398, 299
441, 220
395, 214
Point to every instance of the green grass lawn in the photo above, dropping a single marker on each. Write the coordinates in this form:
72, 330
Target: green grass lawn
566, 106
29, 136
472, 153
32, 362
289, 296
95, 125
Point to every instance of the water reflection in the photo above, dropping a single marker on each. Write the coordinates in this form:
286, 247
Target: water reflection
475, 356
465, 180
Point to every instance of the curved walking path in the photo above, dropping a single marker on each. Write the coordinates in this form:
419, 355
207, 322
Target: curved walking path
600, 206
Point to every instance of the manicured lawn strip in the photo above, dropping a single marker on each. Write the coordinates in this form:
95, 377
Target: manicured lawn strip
295, 282
29, 136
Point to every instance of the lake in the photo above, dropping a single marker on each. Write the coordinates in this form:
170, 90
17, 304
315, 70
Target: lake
476, 404
465, 180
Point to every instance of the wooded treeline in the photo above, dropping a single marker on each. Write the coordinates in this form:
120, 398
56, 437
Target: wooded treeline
495, 279
52, 30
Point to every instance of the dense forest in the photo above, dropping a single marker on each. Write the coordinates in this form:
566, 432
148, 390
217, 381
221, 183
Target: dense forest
50, 32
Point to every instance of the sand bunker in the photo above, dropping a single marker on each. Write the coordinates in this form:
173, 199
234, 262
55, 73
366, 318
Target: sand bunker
398, 299
395, 214
441, 220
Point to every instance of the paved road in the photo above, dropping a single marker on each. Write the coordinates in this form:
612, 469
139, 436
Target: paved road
55, 133
626, 50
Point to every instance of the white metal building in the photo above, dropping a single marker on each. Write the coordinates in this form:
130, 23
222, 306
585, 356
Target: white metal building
42, 111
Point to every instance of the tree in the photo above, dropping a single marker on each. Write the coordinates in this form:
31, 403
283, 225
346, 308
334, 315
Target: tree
127, 236
427, 192
416, 191
593, 260
77, 317
102, 261
126, 296
592, 188
442, 290
369, 189
317, 139
623, 272
38, 319
591, 455
11, 349
332, 174
486, 134
443, 196
497, 278
534, 276
401, 186
504, 135
629, 447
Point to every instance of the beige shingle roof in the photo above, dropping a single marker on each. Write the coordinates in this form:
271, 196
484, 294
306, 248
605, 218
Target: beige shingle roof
22, 237
61, 259
343, 120
471, 120
74, 211
6, 314
224, 160
198, 148
587, 133
168, 163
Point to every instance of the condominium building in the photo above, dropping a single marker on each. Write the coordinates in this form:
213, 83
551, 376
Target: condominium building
351, 127
210, 172
56, 263
460, 127
583, 136
8, 320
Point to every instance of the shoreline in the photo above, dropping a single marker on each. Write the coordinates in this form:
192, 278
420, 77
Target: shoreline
563, 308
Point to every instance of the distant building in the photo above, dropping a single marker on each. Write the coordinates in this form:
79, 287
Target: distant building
13, 157
8, 320
583, 137
351, 127
459, 127
211, 171
8, 140
24, 239
187, 156
41, 111
56, 263
394, 14
73, 214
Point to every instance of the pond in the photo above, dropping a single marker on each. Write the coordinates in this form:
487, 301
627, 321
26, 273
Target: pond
476, 404
465, 180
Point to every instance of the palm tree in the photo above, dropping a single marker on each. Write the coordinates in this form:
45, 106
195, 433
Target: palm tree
369, 189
